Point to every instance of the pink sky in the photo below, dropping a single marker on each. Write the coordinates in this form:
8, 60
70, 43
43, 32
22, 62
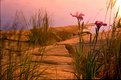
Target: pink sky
59, 10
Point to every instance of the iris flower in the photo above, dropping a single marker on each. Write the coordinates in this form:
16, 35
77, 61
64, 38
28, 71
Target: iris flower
99, 24
79, 16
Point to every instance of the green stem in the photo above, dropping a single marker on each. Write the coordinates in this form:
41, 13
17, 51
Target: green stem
95, 38
80, 31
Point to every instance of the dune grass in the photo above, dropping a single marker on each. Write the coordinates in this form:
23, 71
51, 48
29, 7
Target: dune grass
102, 62
16, 62
16, 59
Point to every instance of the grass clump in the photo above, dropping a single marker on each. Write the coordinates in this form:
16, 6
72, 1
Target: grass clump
41, 33
40, 29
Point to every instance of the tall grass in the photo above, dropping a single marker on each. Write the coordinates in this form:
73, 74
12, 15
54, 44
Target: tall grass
112, 54
16, 60
102, 61
40, 29
77, 60
112, 50
41, 33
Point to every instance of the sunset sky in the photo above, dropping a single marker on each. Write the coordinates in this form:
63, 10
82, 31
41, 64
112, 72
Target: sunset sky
59, 10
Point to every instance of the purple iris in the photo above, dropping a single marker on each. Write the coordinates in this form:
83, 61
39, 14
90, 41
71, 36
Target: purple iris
79, 16
99, 24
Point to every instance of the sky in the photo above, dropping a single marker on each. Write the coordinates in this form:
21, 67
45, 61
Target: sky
58, 10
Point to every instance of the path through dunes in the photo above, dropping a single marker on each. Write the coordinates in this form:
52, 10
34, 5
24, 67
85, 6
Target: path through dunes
58, 60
